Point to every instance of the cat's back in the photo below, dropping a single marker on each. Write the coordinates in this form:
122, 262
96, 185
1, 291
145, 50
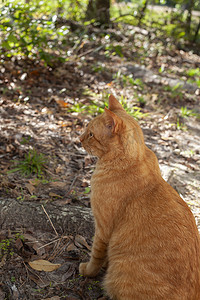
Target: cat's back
154, 249
157, 243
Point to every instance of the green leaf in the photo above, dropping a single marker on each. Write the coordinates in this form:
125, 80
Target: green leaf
6, 45
87, 190
193, 72
12, 38
181, 34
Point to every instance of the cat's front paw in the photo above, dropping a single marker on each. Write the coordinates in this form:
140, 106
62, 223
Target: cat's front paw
82, 269
87, 270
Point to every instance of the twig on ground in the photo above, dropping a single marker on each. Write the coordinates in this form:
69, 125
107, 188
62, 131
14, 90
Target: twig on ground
71, 185
43, 246
58, 251
32, 271
49, 220
90, 51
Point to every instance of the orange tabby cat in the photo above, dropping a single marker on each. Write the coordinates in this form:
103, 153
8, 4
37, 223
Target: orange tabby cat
143, 229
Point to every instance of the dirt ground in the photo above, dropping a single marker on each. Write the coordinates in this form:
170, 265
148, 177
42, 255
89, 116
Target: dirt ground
48, 217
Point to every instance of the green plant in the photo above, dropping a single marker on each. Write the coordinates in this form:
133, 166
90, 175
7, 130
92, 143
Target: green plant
25, 140
98, 67
196, 81
174, 88
185, 113
113, 50
21, 197
25, 32
161, 69
5, 247
175, 91
193, 72
87, 190
13, 279
135, 111
180, 126
94, 107
33, 163
141, 100
19, 235
128, 79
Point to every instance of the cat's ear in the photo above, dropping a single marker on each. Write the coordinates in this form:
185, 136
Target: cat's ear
112, 121
113, 103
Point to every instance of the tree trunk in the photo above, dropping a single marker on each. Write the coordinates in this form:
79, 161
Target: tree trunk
142, 12
189, 16
99, 10
196, 32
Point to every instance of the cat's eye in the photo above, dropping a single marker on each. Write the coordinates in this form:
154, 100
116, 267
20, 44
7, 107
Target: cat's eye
91, 134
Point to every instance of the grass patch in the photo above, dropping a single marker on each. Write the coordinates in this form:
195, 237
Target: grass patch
33, 163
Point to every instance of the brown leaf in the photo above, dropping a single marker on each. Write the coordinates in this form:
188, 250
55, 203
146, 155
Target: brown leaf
58, 184
29, 237
37, 246
51, 194
9, 148
82, 241
62, 103
3, 261
34, 181
64, 202
30, 188
84, 184
43, 265
35, 73
72, 247
59, 169
19, 244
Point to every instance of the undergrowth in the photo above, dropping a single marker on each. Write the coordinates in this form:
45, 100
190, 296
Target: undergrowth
33, 163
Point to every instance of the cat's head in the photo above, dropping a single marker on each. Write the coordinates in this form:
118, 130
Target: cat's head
113, 133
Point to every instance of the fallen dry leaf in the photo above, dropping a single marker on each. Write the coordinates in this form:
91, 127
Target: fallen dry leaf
3, 260
38, 247
72, 247
43, 265
18, 244
58, 184
51, 194
62, 103
30, 188
59, 169
79, 239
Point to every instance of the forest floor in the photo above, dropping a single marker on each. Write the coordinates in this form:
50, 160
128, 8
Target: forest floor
43, 111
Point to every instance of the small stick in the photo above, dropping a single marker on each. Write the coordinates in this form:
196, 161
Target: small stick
71, 185
49, 220
57, 251
43, 246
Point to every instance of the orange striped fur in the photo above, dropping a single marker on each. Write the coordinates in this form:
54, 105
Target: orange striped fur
143, 229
